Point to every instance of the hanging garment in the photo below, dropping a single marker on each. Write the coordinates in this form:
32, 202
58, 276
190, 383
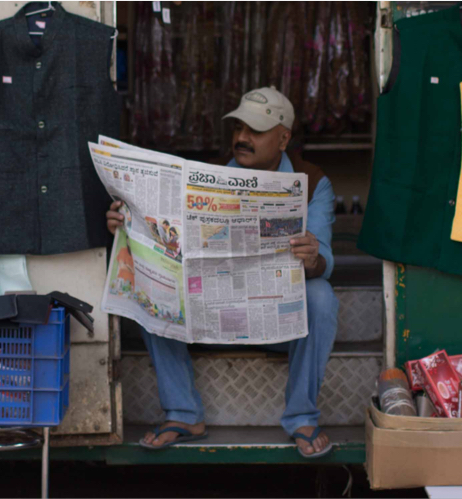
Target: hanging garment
417, 161
54, 97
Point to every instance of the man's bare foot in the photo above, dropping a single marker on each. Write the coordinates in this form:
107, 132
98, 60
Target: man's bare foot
320, 443
170, 436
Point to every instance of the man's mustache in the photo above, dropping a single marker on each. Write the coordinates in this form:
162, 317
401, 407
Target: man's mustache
244, 146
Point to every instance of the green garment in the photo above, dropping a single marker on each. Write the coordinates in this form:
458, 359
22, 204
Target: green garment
417, 157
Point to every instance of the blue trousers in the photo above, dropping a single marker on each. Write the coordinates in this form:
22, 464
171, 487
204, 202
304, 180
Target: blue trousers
308, 358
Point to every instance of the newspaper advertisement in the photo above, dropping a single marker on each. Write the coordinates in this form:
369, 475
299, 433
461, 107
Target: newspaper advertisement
204, 255
145, 275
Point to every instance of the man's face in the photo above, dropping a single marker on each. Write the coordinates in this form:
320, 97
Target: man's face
259, 150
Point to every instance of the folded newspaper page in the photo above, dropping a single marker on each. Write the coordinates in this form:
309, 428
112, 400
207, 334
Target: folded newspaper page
204, 254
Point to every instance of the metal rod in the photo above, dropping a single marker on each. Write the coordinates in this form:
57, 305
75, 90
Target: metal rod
45, 462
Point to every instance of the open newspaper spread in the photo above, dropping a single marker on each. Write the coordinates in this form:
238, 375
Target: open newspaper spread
204, 252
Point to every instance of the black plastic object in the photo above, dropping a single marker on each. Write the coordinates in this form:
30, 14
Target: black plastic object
71, 302
340, 208
356, 208
35, 309
17, 438
8, 306
77, 308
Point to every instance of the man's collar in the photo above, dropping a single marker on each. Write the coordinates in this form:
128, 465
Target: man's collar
285, 166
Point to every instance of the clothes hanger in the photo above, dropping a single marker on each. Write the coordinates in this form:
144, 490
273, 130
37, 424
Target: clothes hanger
50, 7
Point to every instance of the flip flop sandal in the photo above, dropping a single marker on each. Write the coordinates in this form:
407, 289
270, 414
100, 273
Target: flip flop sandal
185, 436
310, 440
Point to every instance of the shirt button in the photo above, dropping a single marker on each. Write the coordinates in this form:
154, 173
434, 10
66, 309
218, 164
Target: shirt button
38, 65
41, 124
44, 189
452, 202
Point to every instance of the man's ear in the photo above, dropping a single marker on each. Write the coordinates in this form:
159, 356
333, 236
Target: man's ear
284, 139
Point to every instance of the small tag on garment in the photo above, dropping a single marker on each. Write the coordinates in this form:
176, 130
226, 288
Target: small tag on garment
435, 80
41, 24
7, 79
156, 7
166, 16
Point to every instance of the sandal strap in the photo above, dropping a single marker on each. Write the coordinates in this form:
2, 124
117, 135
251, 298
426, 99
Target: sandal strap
310, 440
177, 429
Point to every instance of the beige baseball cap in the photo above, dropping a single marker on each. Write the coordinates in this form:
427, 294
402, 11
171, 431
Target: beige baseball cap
263, 109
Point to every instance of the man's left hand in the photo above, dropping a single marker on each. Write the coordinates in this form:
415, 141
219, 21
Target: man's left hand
307, 249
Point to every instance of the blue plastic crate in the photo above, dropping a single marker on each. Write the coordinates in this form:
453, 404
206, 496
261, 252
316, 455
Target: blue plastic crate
34, 372
38, 373
33, 408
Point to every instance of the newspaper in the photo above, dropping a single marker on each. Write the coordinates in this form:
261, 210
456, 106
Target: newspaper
204, 255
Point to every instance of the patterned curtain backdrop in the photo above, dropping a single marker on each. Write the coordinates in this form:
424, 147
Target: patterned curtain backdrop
189, 73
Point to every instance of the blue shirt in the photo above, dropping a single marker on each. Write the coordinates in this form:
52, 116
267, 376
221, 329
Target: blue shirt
320, 212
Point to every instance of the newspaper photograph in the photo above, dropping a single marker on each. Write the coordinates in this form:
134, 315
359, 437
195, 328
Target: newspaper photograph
204, 254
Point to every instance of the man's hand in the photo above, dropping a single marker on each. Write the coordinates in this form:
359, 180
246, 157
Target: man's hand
114, 218
307, 249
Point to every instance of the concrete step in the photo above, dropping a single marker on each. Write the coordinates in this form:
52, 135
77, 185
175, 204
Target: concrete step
242, 388
247, 388
360, 314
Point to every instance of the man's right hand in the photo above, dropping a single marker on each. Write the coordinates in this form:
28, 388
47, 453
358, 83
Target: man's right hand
114, 218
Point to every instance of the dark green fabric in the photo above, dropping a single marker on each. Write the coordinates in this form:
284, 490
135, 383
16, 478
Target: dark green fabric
417, 163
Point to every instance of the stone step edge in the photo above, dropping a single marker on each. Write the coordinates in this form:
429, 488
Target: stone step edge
347, 349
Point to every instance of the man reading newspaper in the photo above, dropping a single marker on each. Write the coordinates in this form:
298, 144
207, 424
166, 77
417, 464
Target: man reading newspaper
262, 130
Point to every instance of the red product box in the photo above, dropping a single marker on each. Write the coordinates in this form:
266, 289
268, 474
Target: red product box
413, 375
441, 382
416, 382
456, 361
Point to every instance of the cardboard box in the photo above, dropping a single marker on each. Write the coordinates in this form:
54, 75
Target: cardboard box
415, 381
406, 452
441, 382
